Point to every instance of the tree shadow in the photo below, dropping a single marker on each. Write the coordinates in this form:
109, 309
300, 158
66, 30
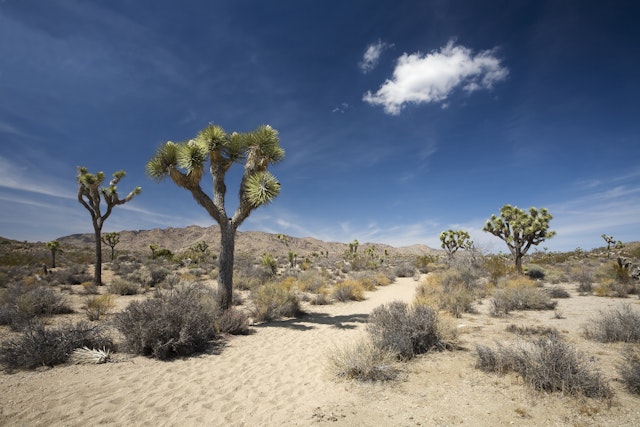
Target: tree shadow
308, 321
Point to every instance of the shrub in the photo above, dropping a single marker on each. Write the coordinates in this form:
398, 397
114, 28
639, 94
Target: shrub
535, 273
20, 304
531, 330
363, 361
405, 330
405, 270
40, 346
630, 370
234, 321
97, 305
312, 281
123, 287
520, 294
175, 323
446, 291
272, 301
558, 292
348, 290
612, 288
496, 266
547, 364
616, 325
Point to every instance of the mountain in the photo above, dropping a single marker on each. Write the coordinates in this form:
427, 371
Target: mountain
247, 242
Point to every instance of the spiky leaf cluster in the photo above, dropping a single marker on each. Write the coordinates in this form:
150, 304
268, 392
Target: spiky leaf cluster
91, 193
185, 164
454, 240
520, 229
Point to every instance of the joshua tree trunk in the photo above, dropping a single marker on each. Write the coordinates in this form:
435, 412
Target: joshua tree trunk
225, 276
97, 277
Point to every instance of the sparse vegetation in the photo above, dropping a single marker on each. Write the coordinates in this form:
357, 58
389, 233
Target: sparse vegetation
547, 364
520, 294
630, 369
274, 301
620, 324
407, 330
176, 323
39, 346
20, 304
363, 361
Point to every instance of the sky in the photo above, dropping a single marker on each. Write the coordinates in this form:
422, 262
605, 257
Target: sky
400, 119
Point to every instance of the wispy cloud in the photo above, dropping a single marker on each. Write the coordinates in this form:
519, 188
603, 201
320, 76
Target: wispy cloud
372, 56
428, 78
20, 177
342, 108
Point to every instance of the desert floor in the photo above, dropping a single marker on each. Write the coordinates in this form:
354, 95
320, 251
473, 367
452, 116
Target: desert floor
278, 376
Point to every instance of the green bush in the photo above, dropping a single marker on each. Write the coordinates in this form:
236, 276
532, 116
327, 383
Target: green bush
519, 296
406, 330
176, 323
40, 346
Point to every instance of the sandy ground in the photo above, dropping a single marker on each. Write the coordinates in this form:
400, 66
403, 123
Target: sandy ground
278, 377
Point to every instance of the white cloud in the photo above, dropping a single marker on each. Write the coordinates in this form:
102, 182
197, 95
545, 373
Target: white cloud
432, 77
372, 56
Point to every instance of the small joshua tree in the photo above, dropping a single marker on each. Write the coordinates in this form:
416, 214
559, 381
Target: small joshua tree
53, 246
111, 240
91, 195
454, 240
153, 248
186, 162
520, 229
611, 242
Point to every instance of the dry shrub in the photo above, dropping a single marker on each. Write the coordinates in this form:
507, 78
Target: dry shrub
312, 281
547, 364
530, 330
497, 267
123, 287
234, 321
363, 361
348, 290
407, 330
175, 323
20, 304
246, 283
630, 369
321, 297
616, 325
558, 292
97, 305
520, 293
40, 346
446, 291
612, 288
273, 301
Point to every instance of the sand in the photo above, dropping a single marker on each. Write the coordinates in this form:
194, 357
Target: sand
278, 377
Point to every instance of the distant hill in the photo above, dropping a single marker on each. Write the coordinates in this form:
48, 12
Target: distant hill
248, 242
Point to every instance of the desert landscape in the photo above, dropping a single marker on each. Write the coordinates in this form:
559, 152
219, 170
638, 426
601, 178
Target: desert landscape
285, 371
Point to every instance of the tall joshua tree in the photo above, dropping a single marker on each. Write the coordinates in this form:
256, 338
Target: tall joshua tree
53, 246
91, 195
185, 164
520, 229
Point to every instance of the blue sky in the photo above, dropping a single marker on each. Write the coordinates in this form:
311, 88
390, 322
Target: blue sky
400, 119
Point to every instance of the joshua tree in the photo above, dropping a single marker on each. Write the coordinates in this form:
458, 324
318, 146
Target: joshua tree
53, 246
454, 240
612, 242
520, 229
185, 163
111, 240
153, 248
91, 195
